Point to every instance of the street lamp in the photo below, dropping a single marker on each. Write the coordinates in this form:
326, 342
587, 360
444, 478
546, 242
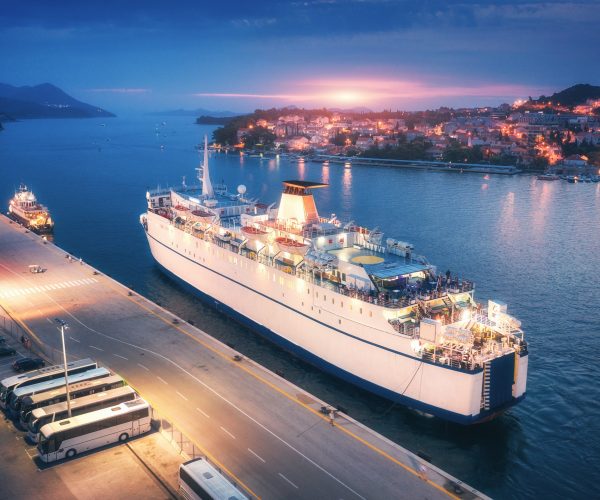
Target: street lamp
62, 326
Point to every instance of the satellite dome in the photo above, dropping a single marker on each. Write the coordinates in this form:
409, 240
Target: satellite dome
241, 189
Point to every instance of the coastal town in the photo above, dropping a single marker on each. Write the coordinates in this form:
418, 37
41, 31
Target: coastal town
527, 135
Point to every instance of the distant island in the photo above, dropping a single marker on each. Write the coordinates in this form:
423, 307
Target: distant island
43, 101
195, 112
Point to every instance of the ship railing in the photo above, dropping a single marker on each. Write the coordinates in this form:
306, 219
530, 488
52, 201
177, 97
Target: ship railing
407, 328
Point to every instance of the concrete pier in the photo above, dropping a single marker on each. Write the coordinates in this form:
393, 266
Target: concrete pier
267, 433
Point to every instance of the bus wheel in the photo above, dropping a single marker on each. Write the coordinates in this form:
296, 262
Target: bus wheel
123, 437
71, 453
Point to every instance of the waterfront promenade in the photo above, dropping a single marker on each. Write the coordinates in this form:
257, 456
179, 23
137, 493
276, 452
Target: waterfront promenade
265, 432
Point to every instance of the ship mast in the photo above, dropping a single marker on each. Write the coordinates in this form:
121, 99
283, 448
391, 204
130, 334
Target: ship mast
207, 189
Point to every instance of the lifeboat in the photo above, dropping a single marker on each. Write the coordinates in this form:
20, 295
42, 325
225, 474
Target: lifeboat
292, 246
253, 233
203, 216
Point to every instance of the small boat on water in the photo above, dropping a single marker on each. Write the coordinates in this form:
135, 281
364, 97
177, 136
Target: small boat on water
25, 209
572, 179
548, 177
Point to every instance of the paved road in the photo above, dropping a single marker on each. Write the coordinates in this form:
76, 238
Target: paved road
266, 432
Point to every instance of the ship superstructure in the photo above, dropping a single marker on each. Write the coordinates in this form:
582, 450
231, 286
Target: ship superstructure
363, 307
25, 209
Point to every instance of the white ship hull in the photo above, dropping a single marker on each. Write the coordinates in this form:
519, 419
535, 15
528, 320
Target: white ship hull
346, 337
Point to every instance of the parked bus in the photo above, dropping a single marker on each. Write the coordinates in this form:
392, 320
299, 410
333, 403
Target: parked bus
58, 395
16, 397
199, 480
48, 373
97, 401
66, 438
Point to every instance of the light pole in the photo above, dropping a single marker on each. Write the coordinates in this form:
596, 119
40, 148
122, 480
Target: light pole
62, 326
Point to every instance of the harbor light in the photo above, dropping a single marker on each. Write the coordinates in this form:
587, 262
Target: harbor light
62, 326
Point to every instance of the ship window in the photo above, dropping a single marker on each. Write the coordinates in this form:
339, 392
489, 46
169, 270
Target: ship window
325, 298
342, 304
339, 321
370, 314
302, 304
361, 310
317, 295
332, 300
308, 291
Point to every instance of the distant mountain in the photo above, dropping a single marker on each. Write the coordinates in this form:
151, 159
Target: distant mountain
573, 96
195, 112
44, 101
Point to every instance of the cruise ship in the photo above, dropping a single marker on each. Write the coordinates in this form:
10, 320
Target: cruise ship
362, 307
25, 209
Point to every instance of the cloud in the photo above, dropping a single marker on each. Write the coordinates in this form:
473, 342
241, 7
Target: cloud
121, 90
253, 23
327, 91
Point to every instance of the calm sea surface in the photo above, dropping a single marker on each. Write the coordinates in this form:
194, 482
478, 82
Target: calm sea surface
532, 244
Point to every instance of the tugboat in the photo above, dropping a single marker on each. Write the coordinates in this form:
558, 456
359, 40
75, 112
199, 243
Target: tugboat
25, 209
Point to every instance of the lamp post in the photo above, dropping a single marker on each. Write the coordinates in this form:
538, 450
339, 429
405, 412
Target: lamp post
62, 326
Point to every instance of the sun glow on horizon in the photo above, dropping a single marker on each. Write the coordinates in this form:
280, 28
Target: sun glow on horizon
375, 90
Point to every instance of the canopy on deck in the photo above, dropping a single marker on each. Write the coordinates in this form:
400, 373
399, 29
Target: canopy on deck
387, 270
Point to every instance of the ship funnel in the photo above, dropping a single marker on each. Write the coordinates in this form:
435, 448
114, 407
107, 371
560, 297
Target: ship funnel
207, 189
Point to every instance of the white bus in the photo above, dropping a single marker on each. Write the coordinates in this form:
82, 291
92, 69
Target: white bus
198, 480
16, 397
58, 395
66, 438
97, 401
47, 373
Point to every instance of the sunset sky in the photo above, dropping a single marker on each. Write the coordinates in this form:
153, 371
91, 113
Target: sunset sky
156, 55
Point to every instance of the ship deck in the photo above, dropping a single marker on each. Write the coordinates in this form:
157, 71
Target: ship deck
235, 411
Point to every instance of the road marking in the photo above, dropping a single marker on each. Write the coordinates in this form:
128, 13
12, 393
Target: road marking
227, 432
162, 380
286, 479
49, 320
181, 396
203, 413
142, 366
75, 340
94, 347
257, 456
119, 356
